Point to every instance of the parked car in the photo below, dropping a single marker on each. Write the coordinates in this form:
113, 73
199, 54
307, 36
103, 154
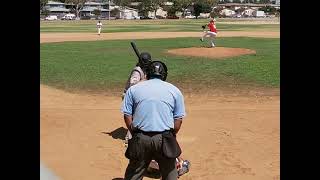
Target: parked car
69, 17
85, 17
190, 17
172, 17
145, 17
102, 17
51, 18
236, 16
160, 17
136, 17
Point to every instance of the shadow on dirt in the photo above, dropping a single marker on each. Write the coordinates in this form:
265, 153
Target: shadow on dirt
153, 174
119, 133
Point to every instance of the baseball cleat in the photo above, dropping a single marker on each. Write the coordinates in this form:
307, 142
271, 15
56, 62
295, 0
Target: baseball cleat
201, 39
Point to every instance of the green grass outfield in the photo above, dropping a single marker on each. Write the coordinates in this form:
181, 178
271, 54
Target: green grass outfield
185, 25
105, 65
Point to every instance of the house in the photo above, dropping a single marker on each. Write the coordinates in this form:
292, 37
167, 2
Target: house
160, 12
90, 7
126, 12
57, 8
106, 5
188, 11
257, 13
204, 15
246, 5
248, 12
227, 12
277, 2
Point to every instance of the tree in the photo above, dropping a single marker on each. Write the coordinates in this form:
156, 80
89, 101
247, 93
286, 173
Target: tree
96, 12
78, 5
114, 12
278, 14
45, 12
210, 2
150, 5
264, 1
176, 7
144, 8
182, 5
201, 7
155, 5
122, 2
246, 1
43, 4
240, 10
216, 12
268, 9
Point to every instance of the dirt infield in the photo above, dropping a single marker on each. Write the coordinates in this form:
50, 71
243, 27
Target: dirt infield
60, 37
225, 136
217, 52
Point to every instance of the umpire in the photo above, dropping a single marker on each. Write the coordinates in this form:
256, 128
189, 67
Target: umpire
153, 112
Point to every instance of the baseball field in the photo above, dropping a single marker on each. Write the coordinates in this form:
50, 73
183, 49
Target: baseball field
232, 128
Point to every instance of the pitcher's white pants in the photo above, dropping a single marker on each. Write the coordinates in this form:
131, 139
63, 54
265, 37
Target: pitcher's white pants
212, 36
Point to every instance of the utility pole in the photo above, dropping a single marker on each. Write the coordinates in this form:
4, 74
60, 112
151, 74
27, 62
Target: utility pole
109, 10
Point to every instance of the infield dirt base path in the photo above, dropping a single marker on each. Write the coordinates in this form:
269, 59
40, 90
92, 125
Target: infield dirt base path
225, 136
60, 37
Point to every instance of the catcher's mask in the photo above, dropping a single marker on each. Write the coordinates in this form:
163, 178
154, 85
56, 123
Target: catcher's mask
157, 69
145, 60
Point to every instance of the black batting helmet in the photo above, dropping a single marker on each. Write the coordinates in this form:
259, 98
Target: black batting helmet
145, 59
157, 69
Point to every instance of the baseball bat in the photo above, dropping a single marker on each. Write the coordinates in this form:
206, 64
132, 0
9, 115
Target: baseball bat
135, 50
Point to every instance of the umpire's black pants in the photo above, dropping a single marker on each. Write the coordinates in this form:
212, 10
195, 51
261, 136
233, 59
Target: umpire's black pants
147, 148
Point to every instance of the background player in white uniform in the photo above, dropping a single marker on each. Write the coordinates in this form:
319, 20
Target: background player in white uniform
99, 26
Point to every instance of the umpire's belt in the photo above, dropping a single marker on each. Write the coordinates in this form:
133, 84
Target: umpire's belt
149, 133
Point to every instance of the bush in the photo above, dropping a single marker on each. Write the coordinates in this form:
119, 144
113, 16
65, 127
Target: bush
114, 12
172, 17
45, 12
214, 14
96, 12
268, 10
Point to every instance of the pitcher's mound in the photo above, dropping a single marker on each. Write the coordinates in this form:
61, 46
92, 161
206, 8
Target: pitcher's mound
217, 52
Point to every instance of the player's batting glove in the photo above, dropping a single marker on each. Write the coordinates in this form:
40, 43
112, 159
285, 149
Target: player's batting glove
203, 27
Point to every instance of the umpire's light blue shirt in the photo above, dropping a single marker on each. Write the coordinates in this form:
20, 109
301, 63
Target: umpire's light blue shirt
154, 104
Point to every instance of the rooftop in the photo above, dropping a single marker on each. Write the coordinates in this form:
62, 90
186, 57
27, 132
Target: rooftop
92, 3
88, 8
58, 9
247, 4
54, 3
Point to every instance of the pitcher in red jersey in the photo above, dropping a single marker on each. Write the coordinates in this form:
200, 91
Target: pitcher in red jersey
212, 32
